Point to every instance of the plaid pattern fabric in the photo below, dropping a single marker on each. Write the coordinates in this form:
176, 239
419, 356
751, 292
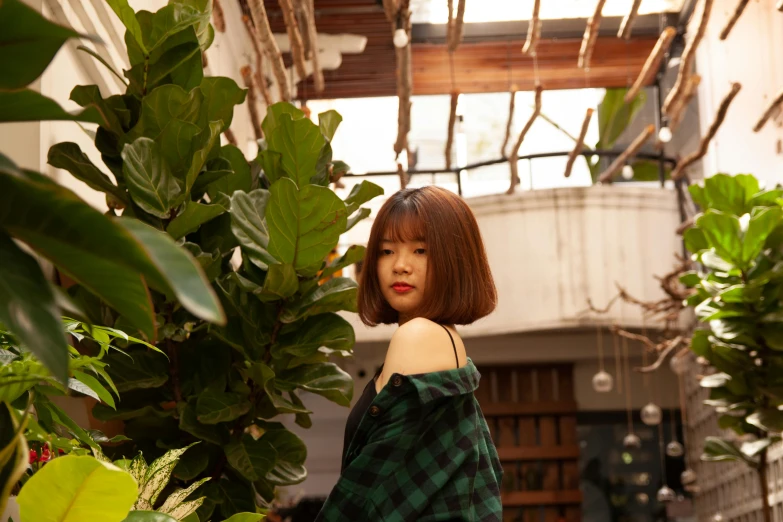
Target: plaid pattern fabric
421, 453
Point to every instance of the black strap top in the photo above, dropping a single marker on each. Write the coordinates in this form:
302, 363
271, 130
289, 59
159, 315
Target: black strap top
368, 395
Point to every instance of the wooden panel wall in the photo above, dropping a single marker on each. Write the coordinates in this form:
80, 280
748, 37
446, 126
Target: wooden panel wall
531, 412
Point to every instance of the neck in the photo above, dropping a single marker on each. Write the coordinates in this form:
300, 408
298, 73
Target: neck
404, 318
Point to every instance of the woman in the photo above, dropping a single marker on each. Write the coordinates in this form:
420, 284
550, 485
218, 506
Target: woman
417, 447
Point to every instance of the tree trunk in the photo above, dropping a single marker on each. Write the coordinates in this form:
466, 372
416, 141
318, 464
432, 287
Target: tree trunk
764, 483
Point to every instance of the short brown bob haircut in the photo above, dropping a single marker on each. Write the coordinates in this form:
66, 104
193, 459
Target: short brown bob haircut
460, 288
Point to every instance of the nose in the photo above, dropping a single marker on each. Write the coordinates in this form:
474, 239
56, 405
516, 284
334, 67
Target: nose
401, 265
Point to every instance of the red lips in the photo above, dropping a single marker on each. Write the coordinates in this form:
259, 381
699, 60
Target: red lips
401, 287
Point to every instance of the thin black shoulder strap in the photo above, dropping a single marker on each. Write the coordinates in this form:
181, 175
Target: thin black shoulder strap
452, 345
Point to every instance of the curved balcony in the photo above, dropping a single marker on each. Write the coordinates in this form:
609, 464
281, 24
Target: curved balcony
550, 250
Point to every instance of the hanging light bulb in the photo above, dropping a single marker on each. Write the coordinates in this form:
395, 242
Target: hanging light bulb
688, 477
400, 38
674, 449
632, 441
665, 135
652, 415
603, 382
666, 494
679, 365
627, 172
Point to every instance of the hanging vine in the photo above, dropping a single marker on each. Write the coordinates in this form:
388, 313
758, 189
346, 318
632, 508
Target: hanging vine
454, 37
590, 36
294, 37
688, 57
679, 108
626, 27
514, 156
607, 175
267, 41
652, 64
255, 120
511, 104
679, 171
769, 112
533, 30
310, 36
733, 20
398, 14
580, 142
258, 74
218, 17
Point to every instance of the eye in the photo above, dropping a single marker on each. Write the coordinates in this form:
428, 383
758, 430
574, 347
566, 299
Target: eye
385, 252
420, 251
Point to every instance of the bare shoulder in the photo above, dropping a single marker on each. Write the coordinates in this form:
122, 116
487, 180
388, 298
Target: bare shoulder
421, 346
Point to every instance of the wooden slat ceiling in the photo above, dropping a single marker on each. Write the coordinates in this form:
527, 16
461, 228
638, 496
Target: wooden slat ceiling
480, 66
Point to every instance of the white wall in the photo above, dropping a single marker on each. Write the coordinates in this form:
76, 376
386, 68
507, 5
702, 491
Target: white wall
753, 56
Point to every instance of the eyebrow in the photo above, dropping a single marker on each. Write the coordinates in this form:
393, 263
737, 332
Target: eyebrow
412, 241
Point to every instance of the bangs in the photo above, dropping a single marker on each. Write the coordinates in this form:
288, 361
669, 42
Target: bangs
403, 223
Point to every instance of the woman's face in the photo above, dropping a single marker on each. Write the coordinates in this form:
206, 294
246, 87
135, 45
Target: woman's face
402, 274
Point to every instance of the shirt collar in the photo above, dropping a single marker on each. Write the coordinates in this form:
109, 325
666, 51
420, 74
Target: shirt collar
447, 383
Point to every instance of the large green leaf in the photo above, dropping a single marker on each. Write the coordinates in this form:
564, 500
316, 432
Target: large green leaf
144, 78
76, 489
275, 114
69, 156
177, 507
326, 379
128, 18
28, 309
329, 330
237, 496
240, 179
143, 369
221, 94
270, 162
245, 517
280, 282
263, 374
694, 240
215, 406
304, 224
165, 104
113, 109
335, 295
716, 449
93, 384
202, 145
29, 105
723, 234
762, 222
767, 419
250, 227
252, 458
360, 194
196, 214
354, 254
179, 272
188, 422
730, 193
300, 142
28, 42
291, 455
328, 122
14, 458
614, 115
150, 181
361, 214
170, 20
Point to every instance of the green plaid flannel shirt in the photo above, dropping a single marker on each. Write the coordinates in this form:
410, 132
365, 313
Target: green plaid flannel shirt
422, 453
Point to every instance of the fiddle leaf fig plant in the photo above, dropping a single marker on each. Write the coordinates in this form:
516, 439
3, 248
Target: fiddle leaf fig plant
261, 232
738, 242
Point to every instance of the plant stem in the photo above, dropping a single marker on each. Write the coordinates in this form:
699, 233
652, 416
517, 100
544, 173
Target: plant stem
765, 507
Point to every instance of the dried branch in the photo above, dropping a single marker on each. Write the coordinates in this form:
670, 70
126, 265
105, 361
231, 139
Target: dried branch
679, 170
607, 175
663, 349
301, 8
769, 112
230, 137
653, 63
533, 30
633, 337
267, 41
685, 225
294, 37
404, 177
452, 123
511, 104
457, 27
590, 36
627, 25
605, 310
580, 142
688, 57
733, 20
312, 37
255, 120
258, 74
681, 105
218, 17
401, 10
514, 156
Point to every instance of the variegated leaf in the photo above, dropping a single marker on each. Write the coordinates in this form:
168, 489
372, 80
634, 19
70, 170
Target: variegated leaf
186, 508
138, 468
157, 476
176, 498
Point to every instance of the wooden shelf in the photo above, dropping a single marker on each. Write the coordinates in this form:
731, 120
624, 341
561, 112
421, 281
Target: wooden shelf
508, 453
541, 498
505, 409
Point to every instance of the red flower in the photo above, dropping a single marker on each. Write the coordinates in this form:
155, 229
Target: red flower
46, 455
33, 456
